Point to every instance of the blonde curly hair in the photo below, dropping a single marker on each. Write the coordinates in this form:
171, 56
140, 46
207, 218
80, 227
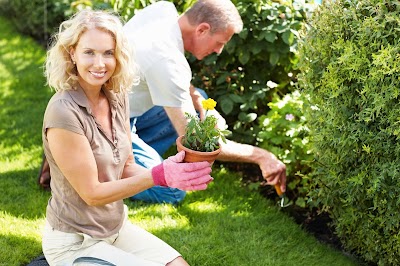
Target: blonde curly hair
60, 71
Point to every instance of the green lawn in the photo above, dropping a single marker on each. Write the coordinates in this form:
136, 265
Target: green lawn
224, 225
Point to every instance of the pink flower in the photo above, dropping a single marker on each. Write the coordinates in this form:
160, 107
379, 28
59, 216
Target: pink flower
289, 117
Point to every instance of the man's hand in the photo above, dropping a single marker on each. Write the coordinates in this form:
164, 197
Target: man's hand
197, 98
273, 170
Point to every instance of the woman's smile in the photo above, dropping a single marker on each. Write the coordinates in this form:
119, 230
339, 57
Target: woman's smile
98, 74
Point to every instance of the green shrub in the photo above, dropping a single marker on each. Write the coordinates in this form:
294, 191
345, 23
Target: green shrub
350, 63
284, 132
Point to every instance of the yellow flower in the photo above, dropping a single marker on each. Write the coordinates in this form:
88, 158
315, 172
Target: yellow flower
209, 104
203, 135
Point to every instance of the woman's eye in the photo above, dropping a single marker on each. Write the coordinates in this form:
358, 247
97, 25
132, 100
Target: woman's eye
88, 52
109, 53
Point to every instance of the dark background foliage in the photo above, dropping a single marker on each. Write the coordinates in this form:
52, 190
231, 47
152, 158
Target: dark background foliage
36, 18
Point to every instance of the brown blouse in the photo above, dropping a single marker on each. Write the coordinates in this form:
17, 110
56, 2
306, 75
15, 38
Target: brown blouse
66, 211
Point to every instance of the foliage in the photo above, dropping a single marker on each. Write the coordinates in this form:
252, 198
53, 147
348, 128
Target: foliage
284, 132
36, 18
40, 19
203, 135
350, 67
255, 64
125, 8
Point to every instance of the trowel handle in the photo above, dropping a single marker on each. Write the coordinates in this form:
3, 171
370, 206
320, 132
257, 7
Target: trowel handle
278, 189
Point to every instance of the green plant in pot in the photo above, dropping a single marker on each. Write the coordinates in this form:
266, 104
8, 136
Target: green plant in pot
202, 137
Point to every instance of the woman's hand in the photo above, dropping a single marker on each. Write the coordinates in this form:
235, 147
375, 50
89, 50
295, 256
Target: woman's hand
186, 176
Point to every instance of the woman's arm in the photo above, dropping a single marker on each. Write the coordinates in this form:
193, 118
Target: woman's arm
76, 161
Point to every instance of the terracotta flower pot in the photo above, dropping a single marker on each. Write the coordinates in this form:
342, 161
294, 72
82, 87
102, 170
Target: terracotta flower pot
192, 156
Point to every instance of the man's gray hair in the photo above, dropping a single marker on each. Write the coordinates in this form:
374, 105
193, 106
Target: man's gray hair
220, 14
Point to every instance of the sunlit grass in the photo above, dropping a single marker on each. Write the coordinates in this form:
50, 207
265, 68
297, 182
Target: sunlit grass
225, 225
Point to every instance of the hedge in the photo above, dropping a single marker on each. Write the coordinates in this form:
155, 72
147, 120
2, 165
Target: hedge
350, 64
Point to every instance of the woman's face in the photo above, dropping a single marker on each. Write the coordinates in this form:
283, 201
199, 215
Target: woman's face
94, 56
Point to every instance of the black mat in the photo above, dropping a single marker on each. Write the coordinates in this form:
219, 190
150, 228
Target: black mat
39, 261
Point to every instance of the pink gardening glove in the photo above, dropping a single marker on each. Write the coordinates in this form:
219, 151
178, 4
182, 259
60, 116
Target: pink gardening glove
186, 176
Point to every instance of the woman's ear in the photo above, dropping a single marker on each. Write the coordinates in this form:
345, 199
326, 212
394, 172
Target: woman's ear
72, 54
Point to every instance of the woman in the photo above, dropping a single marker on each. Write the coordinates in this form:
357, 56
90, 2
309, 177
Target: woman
86, 138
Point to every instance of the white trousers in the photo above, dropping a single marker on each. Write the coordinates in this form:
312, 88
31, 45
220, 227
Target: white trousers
132, 245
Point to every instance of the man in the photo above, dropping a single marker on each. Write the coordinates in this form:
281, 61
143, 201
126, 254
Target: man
158, 104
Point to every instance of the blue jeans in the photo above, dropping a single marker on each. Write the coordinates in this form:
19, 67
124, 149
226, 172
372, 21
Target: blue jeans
148, 157
152, 135
155, 129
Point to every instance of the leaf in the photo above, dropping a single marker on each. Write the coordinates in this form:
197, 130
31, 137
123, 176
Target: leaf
250, 117
221, 79
245, 106
270, 36
226, 105
231, 46
280, 28
243, 33
244, 57
257, 48
288, 37
236, 98
301, 202
273, 58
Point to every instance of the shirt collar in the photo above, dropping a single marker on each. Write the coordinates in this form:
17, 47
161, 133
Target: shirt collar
79, 97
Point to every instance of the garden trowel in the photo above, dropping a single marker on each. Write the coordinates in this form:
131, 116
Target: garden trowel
283, 199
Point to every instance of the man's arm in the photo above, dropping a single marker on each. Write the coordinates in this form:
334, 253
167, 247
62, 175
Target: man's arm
177, 117
197, 98
273, 170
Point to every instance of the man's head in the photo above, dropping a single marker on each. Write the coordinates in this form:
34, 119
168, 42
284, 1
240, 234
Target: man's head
212, 24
